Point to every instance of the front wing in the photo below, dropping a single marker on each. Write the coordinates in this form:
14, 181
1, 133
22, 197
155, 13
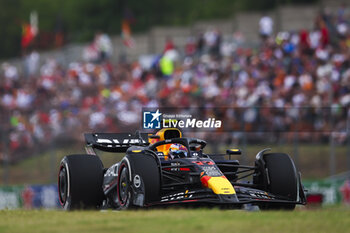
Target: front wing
243, 195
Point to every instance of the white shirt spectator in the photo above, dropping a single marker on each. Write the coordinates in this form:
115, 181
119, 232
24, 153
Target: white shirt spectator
7, 100
289, 82
104, 44
96, 118
24, 99
32, 63
266, 26
298, 99
210, 37
314, 37
10, 71
342, 29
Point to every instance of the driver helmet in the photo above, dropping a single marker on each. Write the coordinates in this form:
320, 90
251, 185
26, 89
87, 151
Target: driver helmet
177, 151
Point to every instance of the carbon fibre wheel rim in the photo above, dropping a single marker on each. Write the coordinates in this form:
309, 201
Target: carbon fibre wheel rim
123, 186
62, 185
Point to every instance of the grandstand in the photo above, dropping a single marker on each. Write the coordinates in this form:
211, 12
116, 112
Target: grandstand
51, 98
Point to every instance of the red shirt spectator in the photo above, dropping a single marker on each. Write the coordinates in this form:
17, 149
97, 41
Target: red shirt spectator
324, 35
169, 45
304, 40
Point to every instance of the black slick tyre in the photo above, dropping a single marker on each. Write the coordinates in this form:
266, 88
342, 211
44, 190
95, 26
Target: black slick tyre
144, 170
282, 178
124, 186
80, 180
146, 167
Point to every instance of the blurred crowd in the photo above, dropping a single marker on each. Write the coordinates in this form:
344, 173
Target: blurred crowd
259, 89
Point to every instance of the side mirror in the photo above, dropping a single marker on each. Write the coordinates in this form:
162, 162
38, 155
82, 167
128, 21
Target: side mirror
234, 152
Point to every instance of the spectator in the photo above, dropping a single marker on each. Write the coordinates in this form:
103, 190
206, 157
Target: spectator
32, 63
169, 45
265, 27
100, 50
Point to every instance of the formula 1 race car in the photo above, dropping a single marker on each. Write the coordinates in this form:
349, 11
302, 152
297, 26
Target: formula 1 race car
150, 175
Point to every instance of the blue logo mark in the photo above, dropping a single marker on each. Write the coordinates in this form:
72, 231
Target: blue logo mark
151, 120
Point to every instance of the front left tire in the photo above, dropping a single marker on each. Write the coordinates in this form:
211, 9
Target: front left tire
283, 180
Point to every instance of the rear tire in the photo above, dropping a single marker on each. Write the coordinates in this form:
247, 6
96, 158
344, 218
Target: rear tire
80, 180
283, 180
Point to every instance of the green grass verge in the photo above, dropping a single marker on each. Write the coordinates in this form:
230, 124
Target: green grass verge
176, 220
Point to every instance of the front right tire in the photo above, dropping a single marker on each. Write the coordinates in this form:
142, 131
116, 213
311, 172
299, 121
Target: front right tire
124, 186
138, 182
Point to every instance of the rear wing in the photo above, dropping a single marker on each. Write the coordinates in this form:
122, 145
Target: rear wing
115, 142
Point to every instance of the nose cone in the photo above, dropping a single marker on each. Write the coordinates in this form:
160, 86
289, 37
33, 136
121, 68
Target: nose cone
219, 185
